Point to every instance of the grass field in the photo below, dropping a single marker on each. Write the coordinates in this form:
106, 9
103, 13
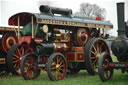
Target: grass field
82, 78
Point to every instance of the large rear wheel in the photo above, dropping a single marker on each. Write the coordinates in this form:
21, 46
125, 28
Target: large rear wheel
15, 55
93, 49
56, 66
28, 66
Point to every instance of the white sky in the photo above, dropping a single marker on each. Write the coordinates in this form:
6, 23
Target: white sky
10, 7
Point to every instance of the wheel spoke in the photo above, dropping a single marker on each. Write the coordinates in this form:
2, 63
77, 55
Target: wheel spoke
27, 64
16, 61
93, 52
93, 63
16, 56
22, 50
15, 65
28, 72
61, 66
94, 48
61, 62
18, 65
93, 58
97, 47
100, 47
57, 61
106, 72
18, 51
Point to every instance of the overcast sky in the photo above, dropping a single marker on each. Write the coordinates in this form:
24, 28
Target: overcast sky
10, 7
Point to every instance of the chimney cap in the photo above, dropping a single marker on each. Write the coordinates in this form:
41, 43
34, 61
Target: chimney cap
120, 3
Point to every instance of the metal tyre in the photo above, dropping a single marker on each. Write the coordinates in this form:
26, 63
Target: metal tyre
15, 55
28, 66
93, 49
56, 66
105, 73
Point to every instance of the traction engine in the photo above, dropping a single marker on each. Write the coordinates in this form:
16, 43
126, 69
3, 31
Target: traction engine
57, 42
7, 39
119, 48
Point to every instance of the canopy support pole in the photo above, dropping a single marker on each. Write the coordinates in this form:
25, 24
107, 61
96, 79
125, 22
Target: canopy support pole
32, 27
18, 27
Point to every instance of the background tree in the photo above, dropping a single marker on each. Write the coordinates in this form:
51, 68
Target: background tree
90, 10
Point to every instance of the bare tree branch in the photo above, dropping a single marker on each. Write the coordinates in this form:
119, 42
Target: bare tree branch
91, 10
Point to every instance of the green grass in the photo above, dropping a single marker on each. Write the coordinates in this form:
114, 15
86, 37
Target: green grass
82, 78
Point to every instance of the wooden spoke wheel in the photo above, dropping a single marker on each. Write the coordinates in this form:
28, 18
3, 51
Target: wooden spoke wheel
15, 55
56, 66
93, 49
105, 72
28, 66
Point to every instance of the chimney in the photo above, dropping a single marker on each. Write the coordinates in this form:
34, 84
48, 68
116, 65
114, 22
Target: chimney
120, 18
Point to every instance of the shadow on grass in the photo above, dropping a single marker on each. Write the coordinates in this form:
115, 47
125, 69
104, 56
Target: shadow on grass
81, 74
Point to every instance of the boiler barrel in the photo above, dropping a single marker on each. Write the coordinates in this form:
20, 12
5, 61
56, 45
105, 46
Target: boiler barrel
120, 48
48, 48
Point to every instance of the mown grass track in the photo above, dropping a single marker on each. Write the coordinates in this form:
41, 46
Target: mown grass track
82, 78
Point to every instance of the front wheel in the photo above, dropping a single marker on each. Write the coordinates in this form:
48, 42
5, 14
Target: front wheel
105, 73
28, 66
56, 66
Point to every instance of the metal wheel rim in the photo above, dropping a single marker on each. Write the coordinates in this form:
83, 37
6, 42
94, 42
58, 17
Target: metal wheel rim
17, 56
97, 49
107, 72
29, 67
58, 67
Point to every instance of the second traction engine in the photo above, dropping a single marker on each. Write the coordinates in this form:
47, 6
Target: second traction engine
120, 44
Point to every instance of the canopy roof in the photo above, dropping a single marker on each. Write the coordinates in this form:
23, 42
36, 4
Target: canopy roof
43, 18
25, 18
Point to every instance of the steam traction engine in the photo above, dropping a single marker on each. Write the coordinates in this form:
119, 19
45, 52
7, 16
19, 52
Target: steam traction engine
119, 48
7, 39
57, 42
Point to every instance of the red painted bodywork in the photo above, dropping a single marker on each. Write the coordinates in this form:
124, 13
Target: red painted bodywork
75, 56
72, 54
28, 39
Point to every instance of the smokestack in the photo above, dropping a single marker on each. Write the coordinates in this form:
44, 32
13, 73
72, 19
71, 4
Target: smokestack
120, 17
